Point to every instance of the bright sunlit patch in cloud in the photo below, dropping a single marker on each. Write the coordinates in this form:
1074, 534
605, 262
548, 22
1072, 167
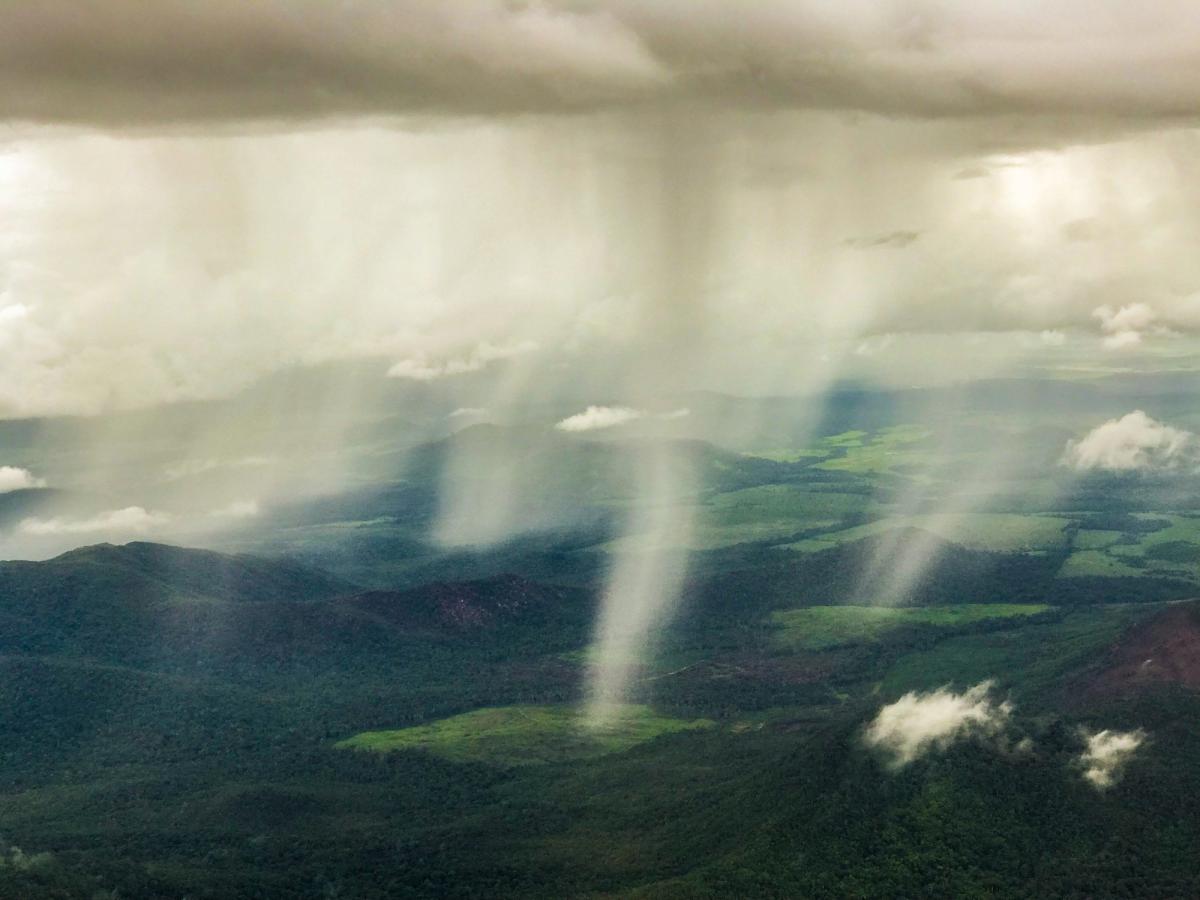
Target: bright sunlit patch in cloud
13, 478
239, 509
1126, 326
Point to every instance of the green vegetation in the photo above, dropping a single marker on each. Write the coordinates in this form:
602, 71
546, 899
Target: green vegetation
791, 454
1085, 563
799, 504
888, 450
765, 514
997, 532
1146, 545
525, 735
1027, 660
176, 724
821, 627
1091, 539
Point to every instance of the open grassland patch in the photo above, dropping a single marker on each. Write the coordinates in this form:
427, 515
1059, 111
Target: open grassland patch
887, 450
860, 452
1182, 529
783, 501
821, 627
1093, 539
525, 735
770, 513
1096, 563
1172, 551
791, 454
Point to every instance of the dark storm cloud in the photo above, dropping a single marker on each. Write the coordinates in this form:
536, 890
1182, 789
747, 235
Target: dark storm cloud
130, 62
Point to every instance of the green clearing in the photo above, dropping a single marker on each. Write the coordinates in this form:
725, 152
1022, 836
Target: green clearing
766, 513
821, 627
845, 439
860, 452
1090, 539
1171, 552
1096, 563
996, 532
783, 501
888, 449
525, 735
790, 454
1183, 529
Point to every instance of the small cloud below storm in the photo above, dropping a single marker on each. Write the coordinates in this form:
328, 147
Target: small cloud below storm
595, 418
13, 478
1133, 443
131, 519
920, 722
1107, 754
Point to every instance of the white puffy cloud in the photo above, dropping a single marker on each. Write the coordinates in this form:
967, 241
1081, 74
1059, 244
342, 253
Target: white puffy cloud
920, 722
1107, 753
1125, 327
131, 519
13, 478
597, 417
1134, 442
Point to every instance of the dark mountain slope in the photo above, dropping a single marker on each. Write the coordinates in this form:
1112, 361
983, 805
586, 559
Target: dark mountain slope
150, 605
457, 607
203, 573
1164, 649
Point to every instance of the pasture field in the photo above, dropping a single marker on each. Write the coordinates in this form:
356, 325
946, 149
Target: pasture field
821, 627
1170, 552
888, 449
1092, 539
770, 513
524, 735
1093, 563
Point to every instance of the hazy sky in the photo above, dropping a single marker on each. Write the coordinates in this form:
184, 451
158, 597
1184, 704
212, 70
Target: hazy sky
747, 196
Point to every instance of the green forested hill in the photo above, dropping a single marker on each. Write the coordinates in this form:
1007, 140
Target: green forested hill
183, 724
